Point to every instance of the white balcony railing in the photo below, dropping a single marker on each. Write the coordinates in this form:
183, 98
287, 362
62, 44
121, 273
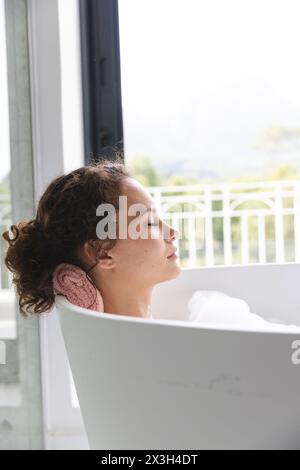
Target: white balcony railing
237, 223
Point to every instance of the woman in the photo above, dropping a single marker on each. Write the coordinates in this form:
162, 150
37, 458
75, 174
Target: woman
64, 232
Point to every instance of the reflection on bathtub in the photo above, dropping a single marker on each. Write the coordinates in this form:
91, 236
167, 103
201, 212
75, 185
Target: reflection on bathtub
209, 306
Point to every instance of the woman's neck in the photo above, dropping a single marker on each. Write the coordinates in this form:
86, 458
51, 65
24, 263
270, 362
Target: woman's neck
126, 300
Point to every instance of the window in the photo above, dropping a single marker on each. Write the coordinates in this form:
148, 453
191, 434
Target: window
211, 113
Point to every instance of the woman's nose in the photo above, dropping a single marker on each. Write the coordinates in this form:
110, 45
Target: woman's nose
171, 233
176, 234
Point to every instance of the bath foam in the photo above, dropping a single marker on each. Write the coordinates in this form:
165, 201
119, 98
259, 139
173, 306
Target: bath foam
215, 307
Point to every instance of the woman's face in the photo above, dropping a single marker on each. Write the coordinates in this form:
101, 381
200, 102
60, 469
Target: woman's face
143, 261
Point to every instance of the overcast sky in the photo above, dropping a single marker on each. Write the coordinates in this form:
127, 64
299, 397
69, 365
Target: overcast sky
202, 78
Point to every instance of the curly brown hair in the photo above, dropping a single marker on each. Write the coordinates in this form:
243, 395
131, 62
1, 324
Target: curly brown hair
65, 218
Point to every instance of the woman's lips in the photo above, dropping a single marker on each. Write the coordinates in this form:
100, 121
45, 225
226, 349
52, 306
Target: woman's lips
172, 256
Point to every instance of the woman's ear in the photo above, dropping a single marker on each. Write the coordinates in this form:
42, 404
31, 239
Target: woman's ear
106, 263
102, 254
89, 252
95, 253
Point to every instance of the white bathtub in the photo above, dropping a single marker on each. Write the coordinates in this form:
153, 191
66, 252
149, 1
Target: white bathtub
171, 384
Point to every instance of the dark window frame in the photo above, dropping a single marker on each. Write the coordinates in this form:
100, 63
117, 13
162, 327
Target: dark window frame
101, 78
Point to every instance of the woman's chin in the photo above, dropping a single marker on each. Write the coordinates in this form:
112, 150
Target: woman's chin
178, 270
169, 274
174, 272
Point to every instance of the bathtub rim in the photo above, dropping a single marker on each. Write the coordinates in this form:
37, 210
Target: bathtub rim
62, 301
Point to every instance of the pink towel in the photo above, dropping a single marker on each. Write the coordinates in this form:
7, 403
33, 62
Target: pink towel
72, 282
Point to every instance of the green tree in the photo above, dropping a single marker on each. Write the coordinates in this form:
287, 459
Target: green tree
4, 185
283, 172
278, 138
